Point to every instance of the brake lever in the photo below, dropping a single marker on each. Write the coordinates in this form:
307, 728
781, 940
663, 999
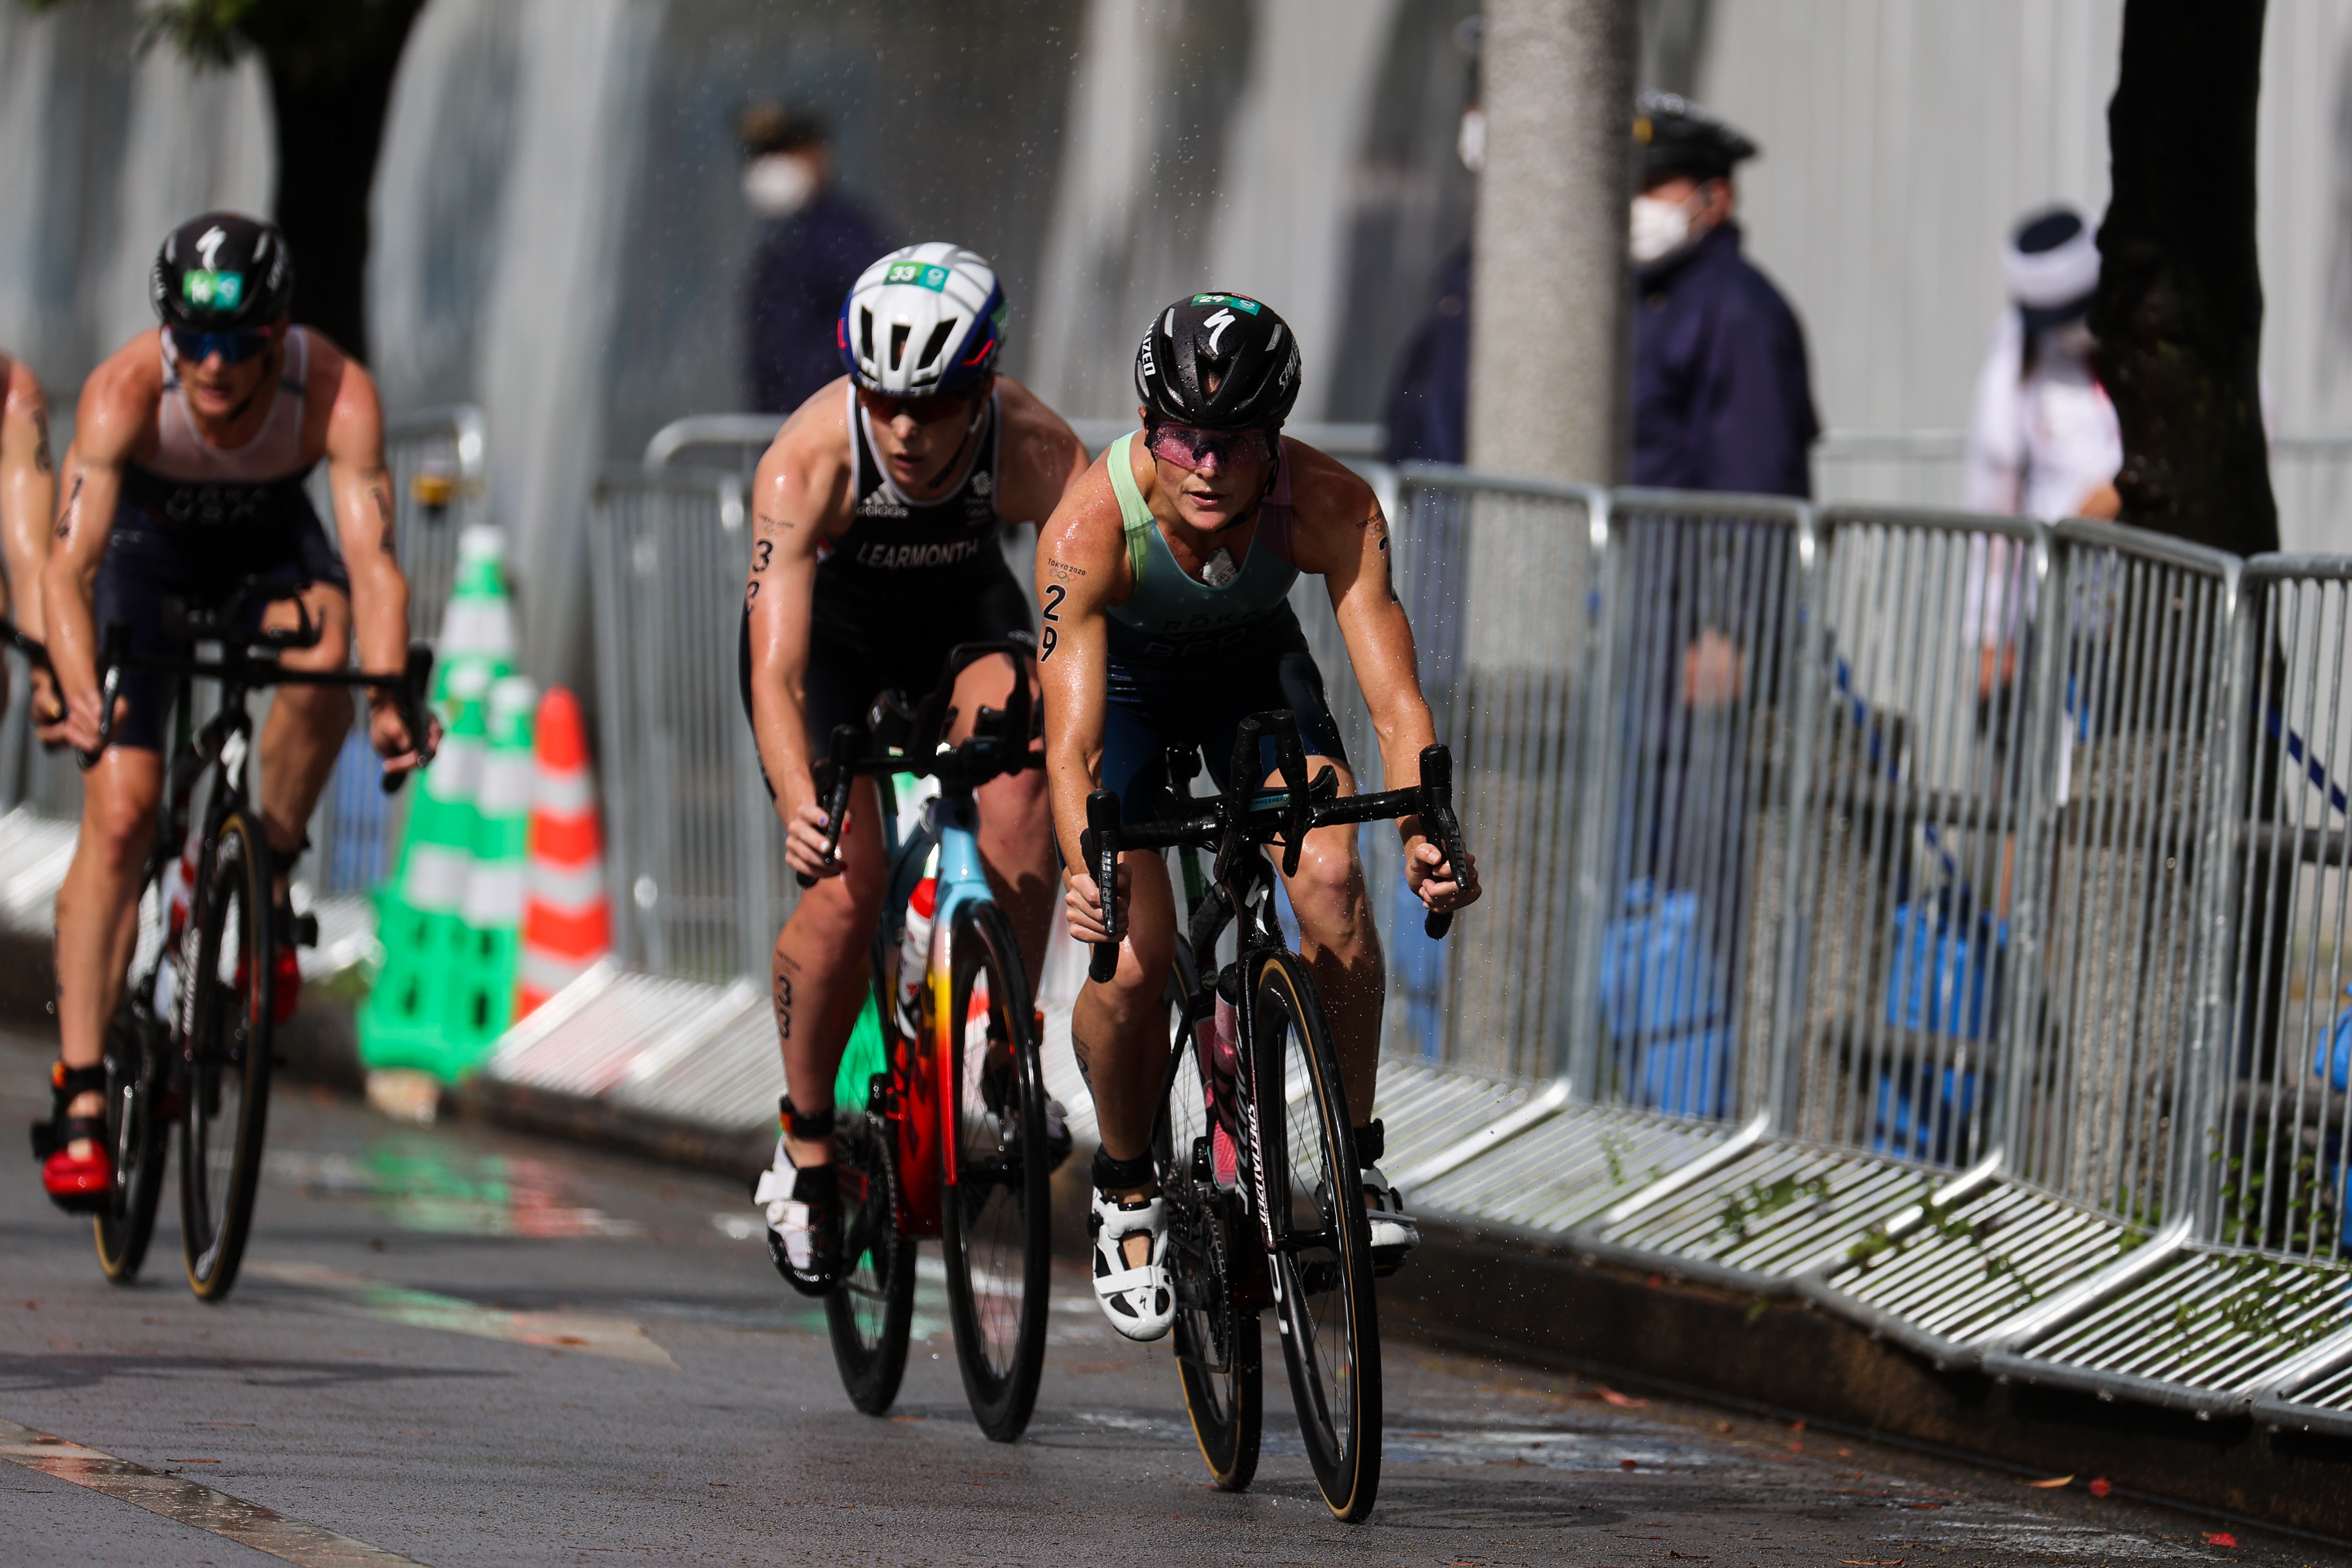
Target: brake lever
416, 679
112, 651
1437, 810
1298, 811
832, 776
1099, 845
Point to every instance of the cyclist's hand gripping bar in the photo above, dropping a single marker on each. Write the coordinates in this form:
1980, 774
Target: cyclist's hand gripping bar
111, 653
1439, 825
1099, 844
408, 696
832, 776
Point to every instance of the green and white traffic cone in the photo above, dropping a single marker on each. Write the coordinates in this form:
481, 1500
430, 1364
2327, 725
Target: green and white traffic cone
402, 1024
481, 1000
479, 626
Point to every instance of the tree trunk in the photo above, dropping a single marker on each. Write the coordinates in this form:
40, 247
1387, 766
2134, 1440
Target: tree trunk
2179, 311
330, 130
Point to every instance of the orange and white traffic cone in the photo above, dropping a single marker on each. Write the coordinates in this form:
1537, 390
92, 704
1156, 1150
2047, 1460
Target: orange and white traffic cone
567, 925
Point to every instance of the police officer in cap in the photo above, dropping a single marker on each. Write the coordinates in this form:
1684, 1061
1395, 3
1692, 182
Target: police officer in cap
1721, 395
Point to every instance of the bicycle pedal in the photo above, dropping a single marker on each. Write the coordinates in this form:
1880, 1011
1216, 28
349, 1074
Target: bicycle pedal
306, 930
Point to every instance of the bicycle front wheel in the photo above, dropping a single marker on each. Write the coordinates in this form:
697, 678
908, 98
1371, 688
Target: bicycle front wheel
999, 1237
1199, 1165
222, 1023
872, 1312
136, 1135
1323, 1264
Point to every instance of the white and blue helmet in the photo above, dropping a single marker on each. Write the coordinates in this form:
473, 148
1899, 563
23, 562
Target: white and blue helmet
924, 320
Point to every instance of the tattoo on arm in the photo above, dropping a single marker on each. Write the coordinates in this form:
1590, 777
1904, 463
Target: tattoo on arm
73, 512
762, 553
1386, 565
41, 441
783, 1006
382, 499
1062, 570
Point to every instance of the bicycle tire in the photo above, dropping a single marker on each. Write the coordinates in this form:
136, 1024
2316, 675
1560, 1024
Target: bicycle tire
224, 1023
138, 1138
1323, 1267
870, 1315
998, 1235
1218, 1358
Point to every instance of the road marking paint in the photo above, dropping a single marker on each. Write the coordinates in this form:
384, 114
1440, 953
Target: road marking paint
622, 1339
174, 1497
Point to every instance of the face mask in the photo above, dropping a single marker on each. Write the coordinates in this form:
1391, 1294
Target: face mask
1470, 142
778, 185
1658, 229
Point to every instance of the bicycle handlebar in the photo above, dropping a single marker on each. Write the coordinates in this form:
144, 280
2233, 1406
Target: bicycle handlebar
408, 685
833, 774
1242, 815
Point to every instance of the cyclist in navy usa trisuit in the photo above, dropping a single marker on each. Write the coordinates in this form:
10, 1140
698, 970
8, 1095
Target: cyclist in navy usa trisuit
1165, 577
186, 477
874, 553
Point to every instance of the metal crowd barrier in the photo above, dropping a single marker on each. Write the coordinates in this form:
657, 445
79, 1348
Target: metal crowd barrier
695, 859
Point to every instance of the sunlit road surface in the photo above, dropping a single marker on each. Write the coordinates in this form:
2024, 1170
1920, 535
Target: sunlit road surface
458, 1346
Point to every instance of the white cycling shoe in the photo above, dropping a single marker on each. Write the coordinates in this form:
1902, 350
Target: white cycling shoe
802, 1212
1394, 1232
1137, 1301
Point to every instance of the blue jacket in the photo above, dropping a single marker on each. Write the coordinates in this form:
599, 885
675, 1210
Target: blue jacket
805, 268
1721, 397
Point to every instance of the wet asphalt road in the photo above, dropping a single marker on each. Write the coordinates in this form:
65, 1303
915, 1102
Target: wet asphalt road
462, 1346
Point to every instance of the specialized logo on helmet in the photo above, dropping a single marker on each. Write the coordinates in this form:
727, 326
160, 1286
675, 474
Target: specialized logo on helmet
212, 291
1247, 307
935, 278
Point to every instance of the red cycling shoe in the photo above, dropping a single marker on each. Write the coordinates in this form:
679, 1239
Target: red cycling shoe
76, 1185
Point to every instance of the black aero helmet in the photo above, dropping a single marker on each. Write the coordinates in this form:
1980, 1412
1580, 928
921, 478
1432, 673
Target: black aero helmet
223, 272
1226, 341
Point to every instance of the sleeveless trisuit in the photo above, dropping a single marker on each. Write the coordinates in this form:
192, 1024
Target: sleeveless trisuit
906, 584
1188, 662
197, 521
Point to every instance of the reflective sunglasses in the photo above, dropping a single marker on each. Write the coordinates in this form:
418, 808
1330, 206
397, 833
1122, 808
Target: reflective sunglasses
233, 348
1189, 447
930, 410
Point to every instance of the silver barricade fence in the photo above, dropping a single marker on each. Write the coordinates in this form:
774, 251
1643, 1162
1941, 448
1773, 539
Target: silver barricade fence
2103, 1084
1907, 977
1685, 798
1484, 566
695, 860
438, 461
2278, 1121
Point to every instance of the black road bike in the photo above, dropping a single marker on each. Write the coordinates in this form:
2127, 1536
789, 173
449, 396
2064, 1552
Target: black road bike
193, 1040
952, 1139
1254, 1146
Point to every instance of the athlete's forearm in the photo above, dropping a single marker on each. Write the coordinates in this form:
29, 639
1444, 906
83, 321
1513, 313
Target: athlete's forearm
28, 500
69, 577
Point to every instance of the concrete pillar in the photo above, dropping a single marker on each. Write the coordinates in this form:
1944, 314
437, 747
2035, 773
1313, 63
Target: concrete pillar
1548, 340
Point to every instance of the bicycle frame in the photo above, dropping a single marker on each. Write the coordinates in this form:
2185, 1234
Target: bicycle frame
922, 1106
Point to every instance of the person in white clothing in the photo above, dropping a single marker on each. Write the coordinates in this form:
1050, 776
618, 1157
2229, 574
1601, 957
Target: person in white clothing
2044, 441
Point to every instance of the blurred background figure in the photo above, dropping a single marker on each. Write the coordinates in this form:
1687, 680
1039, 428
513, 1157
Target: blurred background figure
813, 242
1428, 411
1722, 398
2043, 439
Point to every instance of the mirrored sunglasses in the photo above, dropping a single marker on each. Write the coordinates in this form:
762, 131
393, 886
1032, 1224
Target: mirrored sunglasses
1188, 447
233, 348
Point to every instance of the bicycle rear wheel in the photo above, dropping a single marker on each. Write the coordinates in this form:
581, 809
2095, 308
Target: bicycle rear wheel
137, 1137
224, 1025
998, 1234
1323, 1268
1217, 1355
872, 1312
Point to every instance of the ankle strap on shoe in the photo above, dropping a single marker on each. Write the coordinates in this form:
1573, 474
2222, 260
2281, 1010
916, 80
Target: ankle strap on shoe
1372, 1142
1120, 1175
70, 1081
808, 1126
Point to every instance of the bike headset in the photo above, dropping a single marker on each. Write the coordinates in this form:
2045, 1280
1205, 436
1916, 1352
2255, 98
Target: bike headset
1219, 361
925, 320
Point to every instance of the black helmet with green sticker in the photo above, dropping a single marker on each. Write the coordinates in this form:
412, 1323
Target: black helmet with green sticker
223, 272
1219, 362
